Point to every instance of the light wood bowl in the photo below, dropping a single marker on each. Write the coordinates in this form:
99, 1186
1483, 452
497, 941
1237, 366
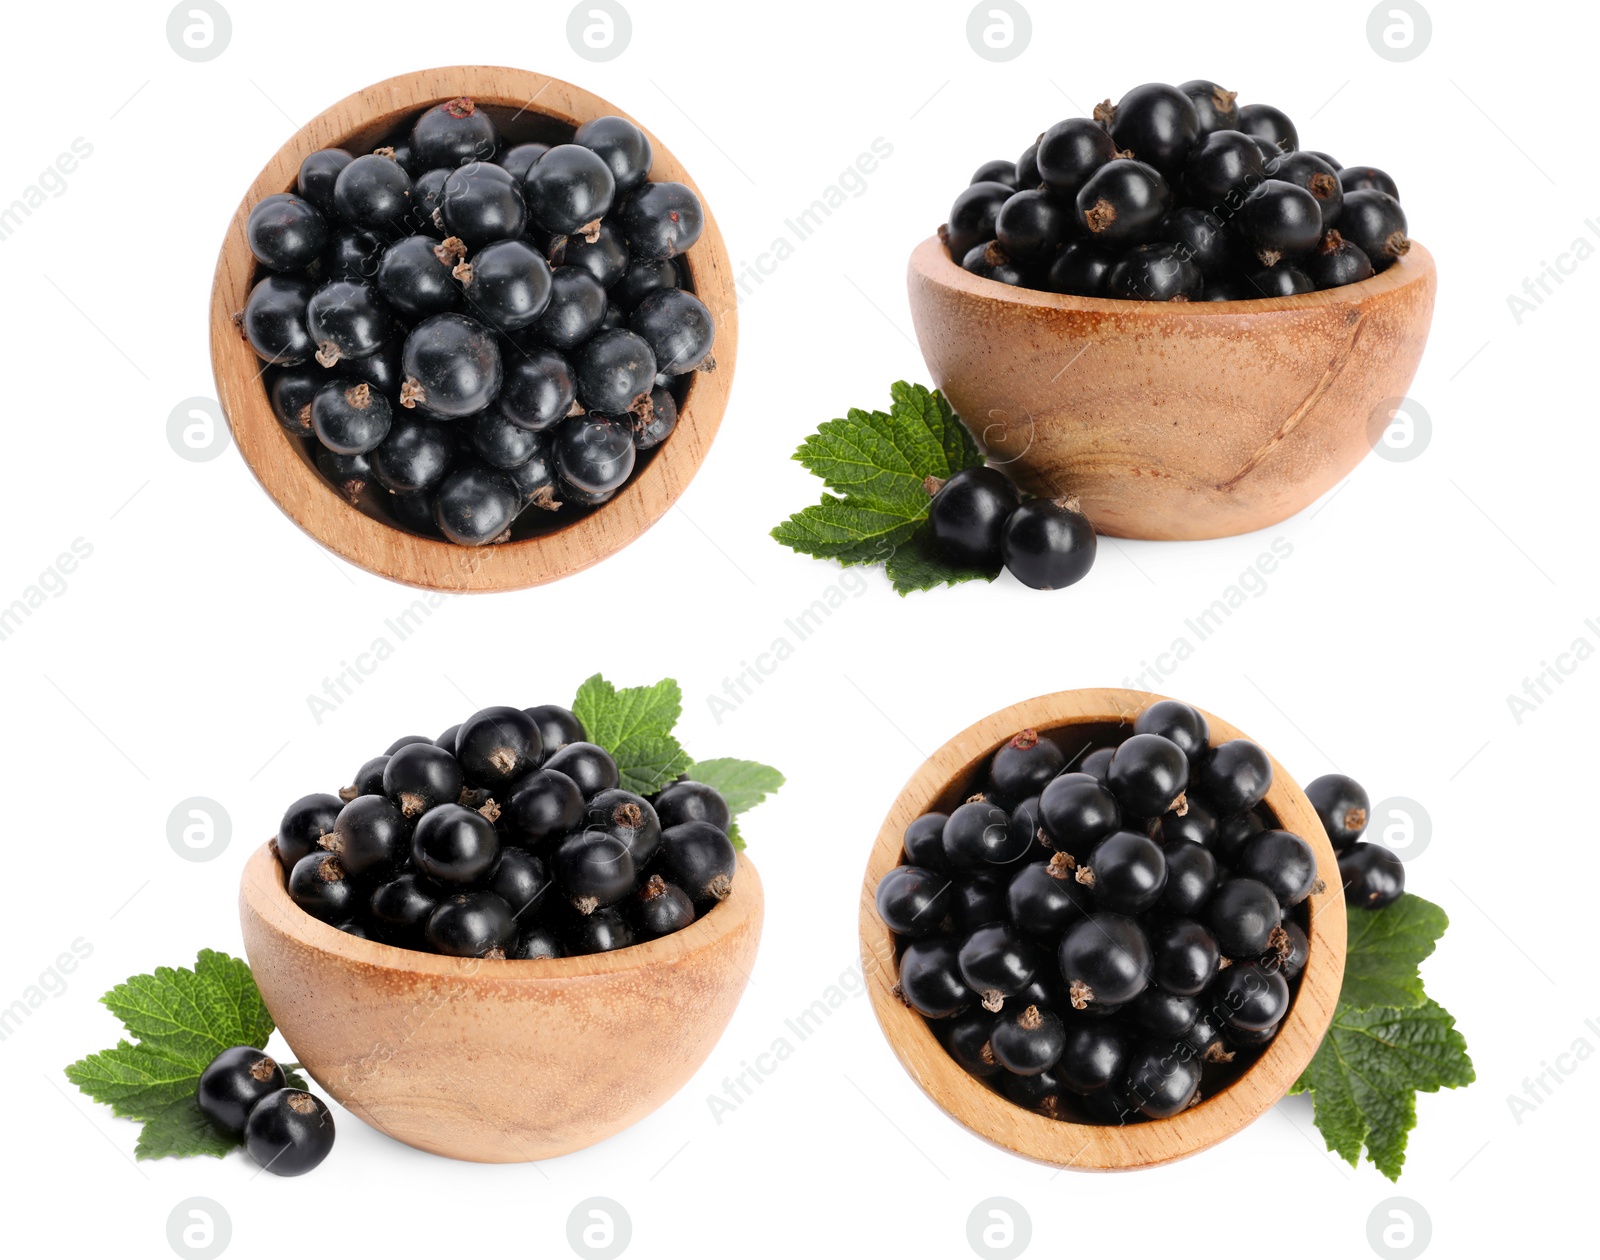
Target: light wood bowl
527, 102
944, 780
1173, 419
497, 1061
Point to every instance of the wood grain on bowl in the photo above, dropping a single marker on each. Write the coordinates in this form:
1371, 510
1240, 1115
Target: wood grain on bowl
519, 100
497, 1061
941, 783
1173, 419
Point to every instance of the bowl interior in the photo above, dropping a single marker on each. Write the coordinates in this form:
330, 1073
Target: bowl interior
526, 107
1081, 721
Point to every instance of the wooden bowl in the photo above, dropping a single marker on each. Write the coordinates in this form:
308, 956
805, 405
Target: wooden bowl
497, 1061
528, 106
1173, 419
947, 778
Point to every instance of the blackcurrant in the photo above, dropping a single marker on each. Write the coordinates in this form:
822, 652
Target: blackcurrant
996, 170
594, 453
588, 765
978, 837
569, 189
519, 157
1280, 220
966, 1037
506, 285
699, 859
1148, 774
1105, 960
1127, 872
923, 841
1028, 1041
1235, 776
350, 417
1093, 1054
286, 233
677, 327
1337, 262
1362, 178
372, 192
1200, 237
597, 933
577, 309
1374, 222
1249, 996
1081, 269
1047, 544
1162, 1014
1216, 108
652, 429
558, 726
454, 846
1023, 765
1032, 225
318, 173
1233, 833
537, 943
1343, 806
1097, 764
349, 474
1291, 949
452, 366
1042, 1092
1191, 875
1157, 272
996, 962
368, 780
1373, 876
475, 504
1123, 203
353, 254
614, 369
643, 277
472, 925
1077, 811
972, 217
1242, 914
930, 980
414, 277
1044, 899
371, 836
913, 902
593, 869
1203, 1042
402, 907
627, 817
542, 806
605, 257
1181, 723
497, 745
1308, 171
660, 909
1158, 124
415, 455
623, 147
481, 203
1281, 280
233, 1083
1272, 126
1283, 862
1221, 169
290, 391
275, 319
303, 824
661, 220
991, 262
979, 899
537, 388
1026, 168
321, 887
1197, 824
1184, 957
968, 514
421, 775
453, 133
1160, 1082
1071, 151
289, 1132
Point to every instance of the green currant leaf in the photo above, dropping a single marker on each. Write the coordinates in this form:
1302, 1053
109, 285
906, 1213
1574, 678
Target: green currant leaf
1384, 951
839, 529
634, 725
916, 566
135, 1081
181, 1129
743, 784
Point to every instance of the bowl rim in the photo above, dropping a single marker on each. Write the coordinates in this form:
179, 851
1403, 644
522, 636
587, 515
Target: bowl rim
300, 491
1065, 1143
264, 892
932, 262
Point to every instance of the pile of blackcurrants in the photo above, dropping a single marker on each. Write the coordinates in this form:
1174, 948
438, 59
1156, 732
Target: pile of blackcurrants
506, 837
1176, 194
1101, 941
977, 517
244, 1094
1373, 877
462, 328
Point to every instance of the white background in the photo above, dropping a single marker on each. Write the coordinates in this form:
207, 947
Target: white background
178, 660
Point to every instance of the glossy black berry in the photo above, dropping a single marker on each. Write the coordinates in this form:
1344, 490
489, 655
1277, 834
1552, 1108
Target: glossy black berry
1148, 774
1250, 997
1317, 177
380, 369
480, 202
677, 327
968, 514
1159, 1082
1127, 872
1162, 1014
1182, 724
350, 417
290, 391
275, 319
1023, 765
1197, 824
368, 779
966, 1037
319, 172
1158, 124
558, 726
654, 424
594, 453
991, 262
413, 276
972, 216
589, 766
1373, 876
452, 134
421, 775
1105, 960
1242, 914
286, 233
1282, 280
1158, 272
1191, 876
597, 933
978, 837
350, 475
1336, 262
576, 310
1123, 203
1216, 108
1269, 125
1364, 178
1093, 1054
997, 962
372, 192
475, 504
537, 943
661, 220
537, 389
1082, 269
1201, 238
519, 157
593, 869
1280, 220
624, 148
371, 836
415, 455
1032, 225
353, 254
659, 909
1343, 806
998, 171
1222, 169
1184, 957
497, 745
1283, 862
346, 319
615, 369
1374, 222
452, 366
913, 902
303, 824
979, 899
1235, 776
454, 846
1048, 544
289, 1132
1028, 1041
506, 285
605, 257
471, 925
569, 189
542, 806
1077, 811
1070, 152
233, 1083
401, 908
930, 978
1232, 834
321, 887
923, 842
699, 859
629, 818
1291, 949
1044, 899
